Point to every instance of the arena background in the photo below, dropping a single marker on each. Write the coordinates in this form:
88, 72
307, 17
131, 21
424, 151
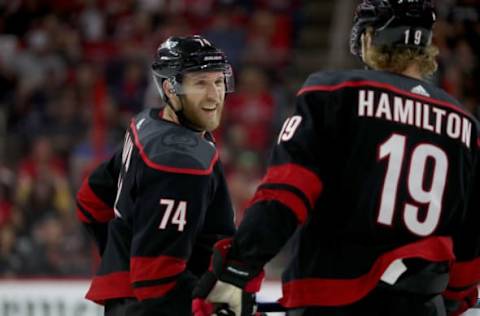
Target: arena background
72, 73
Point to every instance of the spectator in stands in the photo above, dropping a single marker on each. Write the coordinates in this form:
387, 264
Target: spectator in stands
268, 39
252, 108
12, 262
7, 182
42, 183
226, 31
129, 90
243, 179
63, 123
53, 251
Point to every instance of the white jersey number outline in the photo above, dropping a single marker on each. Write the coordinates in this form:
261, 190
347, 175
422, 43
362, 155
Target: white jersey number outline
289, 128
394, 150
178, 218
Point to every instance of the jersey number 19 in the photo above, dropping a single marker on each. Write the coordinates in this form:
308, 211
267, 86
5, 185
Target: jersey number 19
394, 150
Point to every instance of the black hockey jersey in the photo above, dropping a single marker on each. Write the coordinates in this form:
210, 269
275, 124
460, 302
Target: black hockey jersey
373, 169
155, 210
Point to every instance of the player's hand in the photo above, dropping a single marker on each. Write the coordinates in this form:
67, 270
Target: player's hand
223, 299
226, 289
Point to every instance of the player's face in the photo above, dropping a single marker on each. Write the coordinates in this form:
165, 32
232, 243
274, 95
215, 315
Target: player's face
203, 98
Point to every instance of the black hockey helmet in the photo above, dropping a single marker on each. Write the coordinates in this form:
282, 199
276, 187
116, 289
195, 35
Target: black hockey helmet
179, 55
396, 23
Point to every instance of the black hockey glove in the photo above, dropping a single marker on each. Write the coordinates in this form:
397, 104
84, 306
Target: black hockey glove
228, 288
456, 303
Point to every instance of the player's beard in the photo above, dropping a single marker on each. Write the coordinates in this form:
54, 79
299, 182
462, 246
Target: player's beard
202, 119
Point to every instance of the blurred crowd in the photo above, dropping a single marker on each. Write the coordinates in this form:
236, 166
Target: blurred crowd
457, 35
73, 72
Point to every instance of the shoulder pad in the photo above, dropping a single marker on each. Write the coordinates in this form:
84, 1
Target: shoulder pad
168, 147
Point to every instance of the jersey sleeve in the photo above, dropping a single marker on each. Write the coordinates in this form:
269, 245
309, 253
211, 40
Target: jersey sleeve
293, 181
462, 292
96, 197
168, 214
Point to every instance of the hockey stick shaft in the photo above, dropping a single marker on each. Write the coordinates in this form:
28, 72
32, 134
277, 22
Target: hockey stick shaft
271, 307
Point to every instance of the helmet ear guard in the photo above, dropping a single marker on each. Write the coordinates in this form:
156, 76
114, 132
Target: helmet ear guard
158, 81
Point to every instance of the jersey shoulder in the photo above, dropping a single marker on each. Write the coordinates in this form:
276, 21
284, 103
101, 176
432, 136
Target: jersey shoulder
338, 81
353, 78
169, 147
328, 78
358, 78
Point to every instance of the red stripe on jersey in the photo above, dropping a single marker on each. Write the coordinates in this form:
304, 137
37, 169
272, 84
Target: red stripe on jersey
253, 286
82, 216
297, 176
110, 286
156, 166
464, 274
465, 302
334, 292
287, 198
382, 85
478, 142
461, 294
156, 291
93, 204
153, 268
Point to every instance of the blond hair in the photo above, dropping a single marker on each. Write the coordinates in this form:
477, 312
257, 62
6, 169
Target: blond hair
398, 59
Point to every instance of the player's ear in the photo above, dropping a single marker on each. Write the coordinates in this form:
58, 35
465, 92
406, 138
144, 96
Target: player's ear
168, 89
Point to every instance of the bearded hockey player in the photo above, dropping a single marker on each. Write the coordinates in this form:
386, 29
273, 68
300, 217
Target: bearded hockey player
376, 179
160, 203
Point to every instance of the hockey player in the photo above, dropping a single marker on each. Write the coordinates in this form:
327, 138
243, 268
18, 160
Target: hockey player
160, 203
376, 177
